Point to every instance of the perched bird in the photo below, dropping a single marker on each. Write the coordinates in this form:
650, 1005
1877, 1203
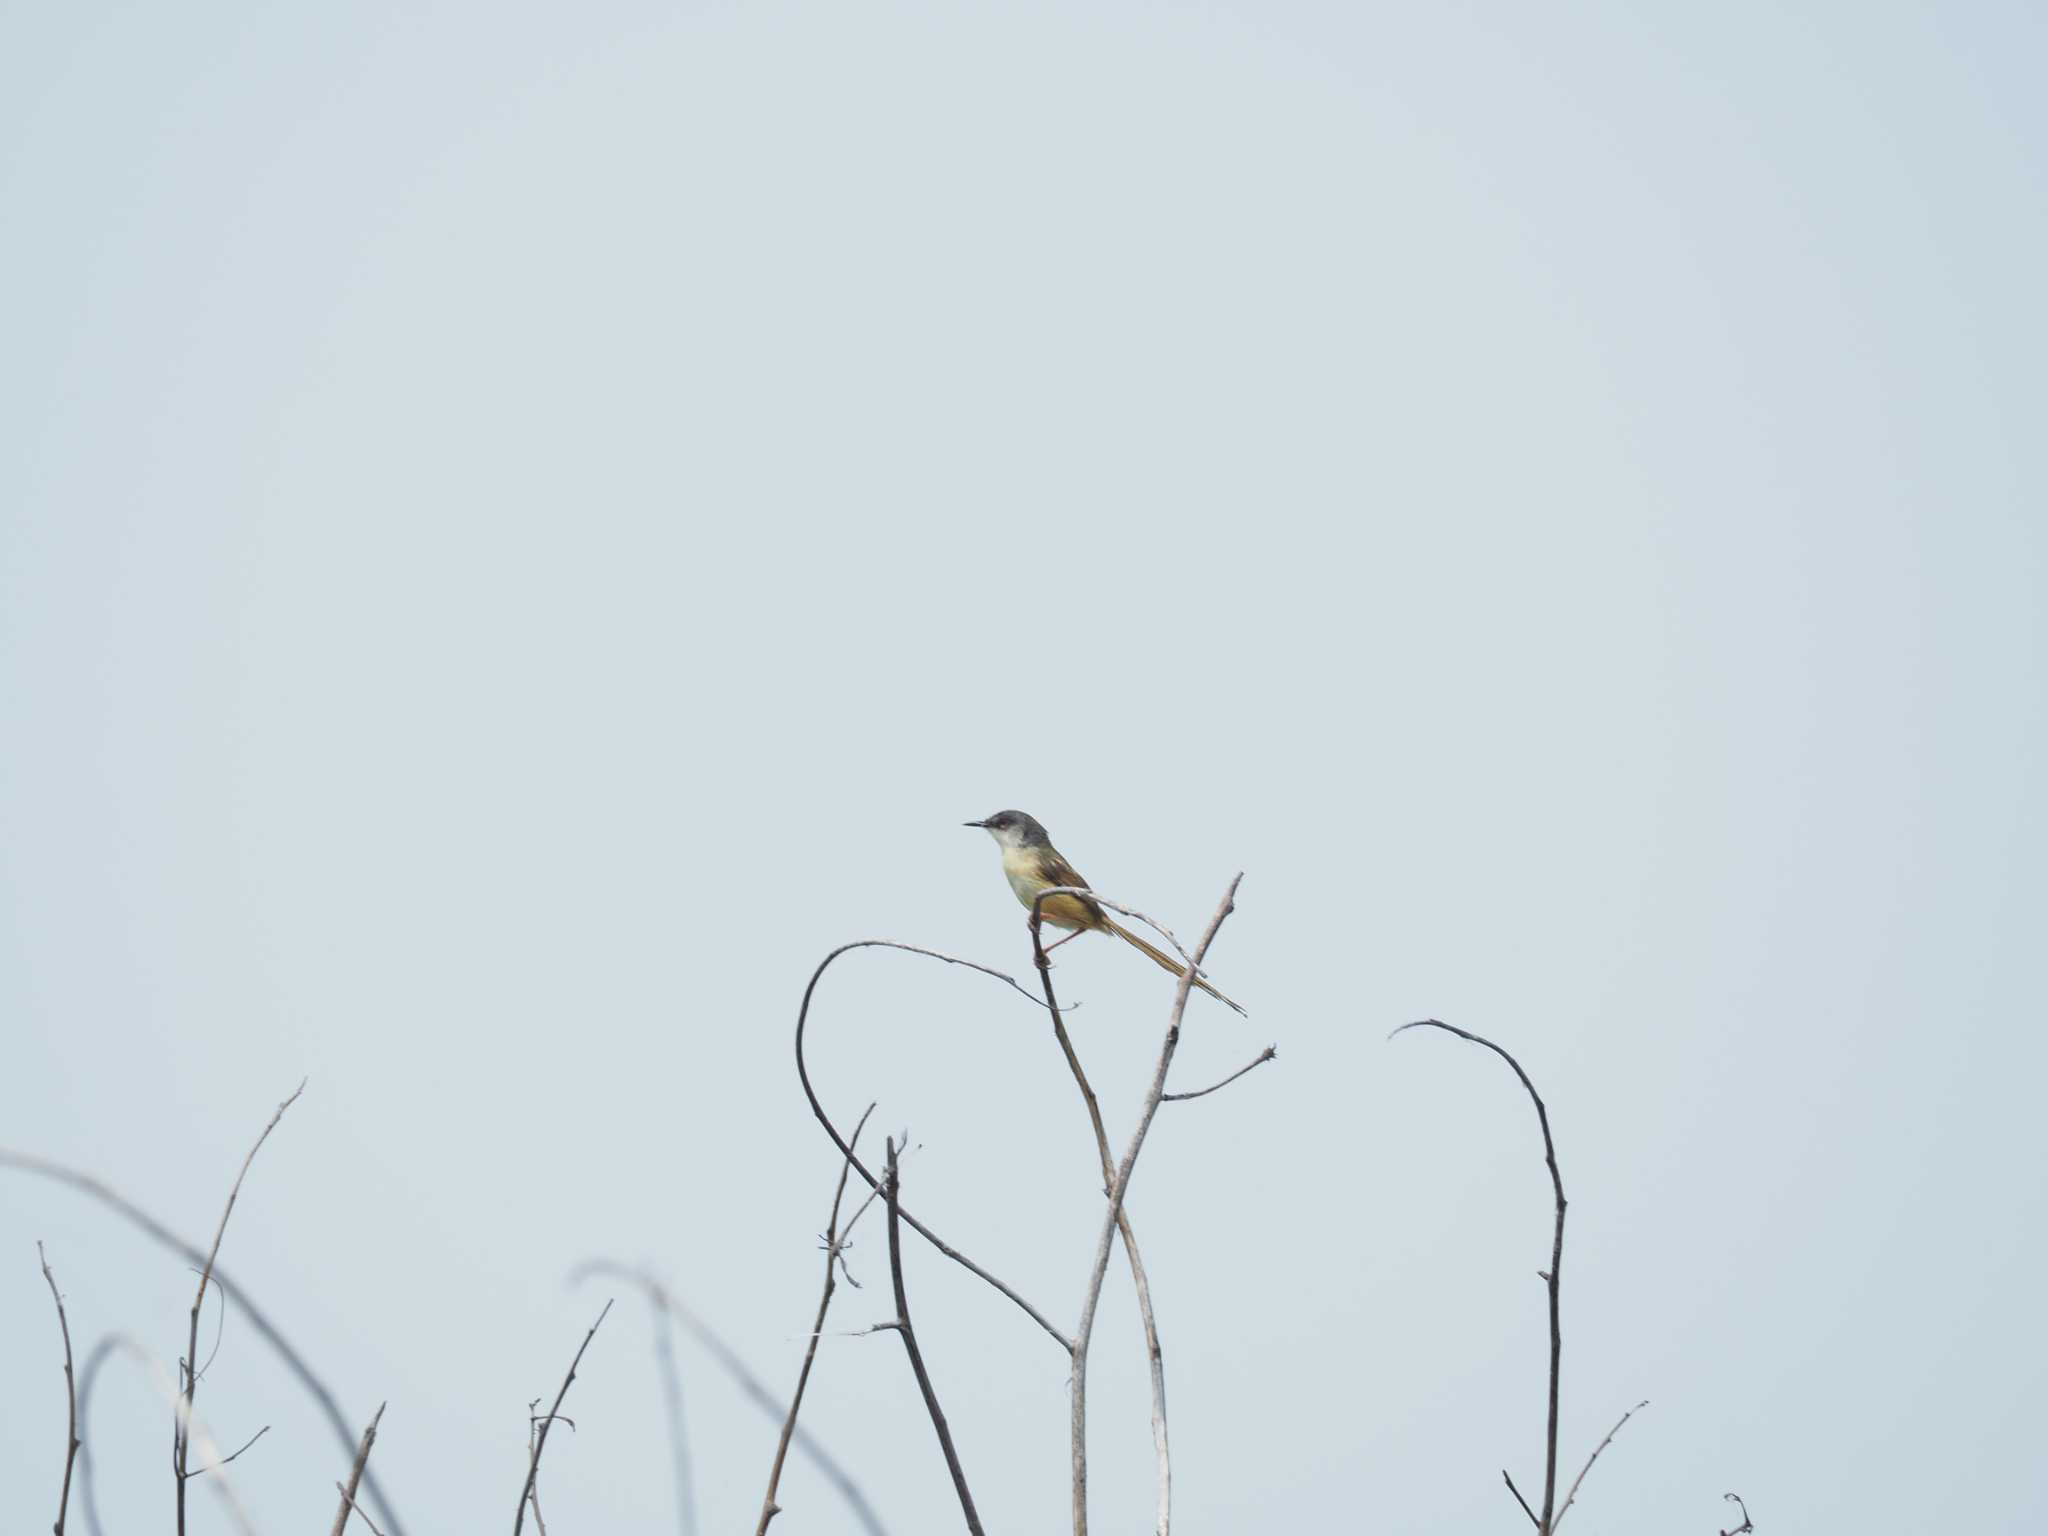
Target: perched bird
1032, 865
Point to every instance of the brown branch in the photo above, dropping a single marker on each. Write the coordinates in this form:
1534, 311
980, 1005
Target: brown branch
1119, 1188
1573, 1492
348, 1502
1155, 1356
902, 1326
181, 1451
1546, 1524
846, 1150
70, 1393
1257, 1061
540, 1440
330, 1406
769, 1508
755, 1390
1745, 1527
355, 1474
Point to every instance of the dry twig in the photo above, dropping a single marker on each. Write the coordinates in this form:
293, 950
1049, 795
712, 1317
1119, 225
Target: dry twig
846, 1149
833, 1242
181, 1451
755, 1390
1162, 1453
1745, 1527
1573, 1491
540, 1439
1545, 1523
902, 1326
1257, 1061
70, 1393
330, 1406
1119, 1188
355, 1474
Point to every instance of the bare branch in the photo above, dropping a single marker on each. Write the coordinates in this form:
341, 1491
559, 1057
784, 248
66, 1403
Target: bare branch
846, 1149
238, 1451
540, 1439
330, 1406
348, 1502
769, 1508
1100, 900
909, 1336
1257, 1061
1546, 1524
355, 1474
1519, 1499
1745, 1527
181, 1450
1162, 1453
193, 1429
70, 1392
755, 1390
1119, 1188
1573, 1492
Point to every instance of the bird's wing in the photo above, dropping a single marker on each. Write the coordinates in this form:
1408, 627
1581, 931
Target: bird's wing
1068, 911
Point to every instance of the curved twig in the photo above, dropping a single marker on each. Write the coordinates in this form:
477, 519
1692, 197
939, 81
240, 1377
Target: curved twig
1746, 1526
540, 1438
86, 1184
1547, 1523
1257, 1061
1119, 1188
846, 1150
751, 1386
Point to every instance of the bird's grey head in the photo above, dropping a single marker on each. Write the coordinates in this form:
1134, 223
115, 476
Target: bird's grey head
1014, 829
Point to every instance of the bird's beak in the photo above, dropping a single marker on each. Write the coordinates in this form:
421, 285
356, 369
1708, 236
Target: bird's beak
981, 824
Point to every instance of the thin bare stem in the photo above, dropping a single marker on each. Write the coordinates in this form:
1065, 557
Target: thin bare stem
1546, 1523
235, 1455
1162, 1453
540, 1440
769, 1508
902, 1326
751, 1386
1573, 1492
846, 1149
192, 1429
355, 1474
70, 1392
181, 1448
330, 1406
1519, 1499
1119, 1188
1744, 1528
1257, 1061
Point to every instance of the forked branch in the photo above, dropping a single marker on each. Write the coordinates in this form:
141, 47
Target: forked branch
890, 1187
181, 1449
355, 1475
1119, 1187
540, 1438
769, 1508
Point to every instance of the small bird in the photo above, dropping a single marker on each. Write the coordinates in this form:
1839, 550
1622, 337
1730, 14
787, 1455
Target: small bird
1032, 865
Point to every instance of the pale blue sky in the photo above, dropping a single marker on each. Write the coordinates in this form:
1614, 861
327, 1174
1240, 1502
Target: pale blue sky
523, 526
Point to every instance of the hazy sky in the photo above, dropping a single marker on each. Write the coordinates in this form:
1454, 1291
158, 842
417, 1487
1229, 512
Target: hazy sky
521, 526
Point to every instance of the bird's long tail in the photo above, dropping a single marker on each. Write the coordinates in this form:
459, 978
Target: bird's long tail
1164, 961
